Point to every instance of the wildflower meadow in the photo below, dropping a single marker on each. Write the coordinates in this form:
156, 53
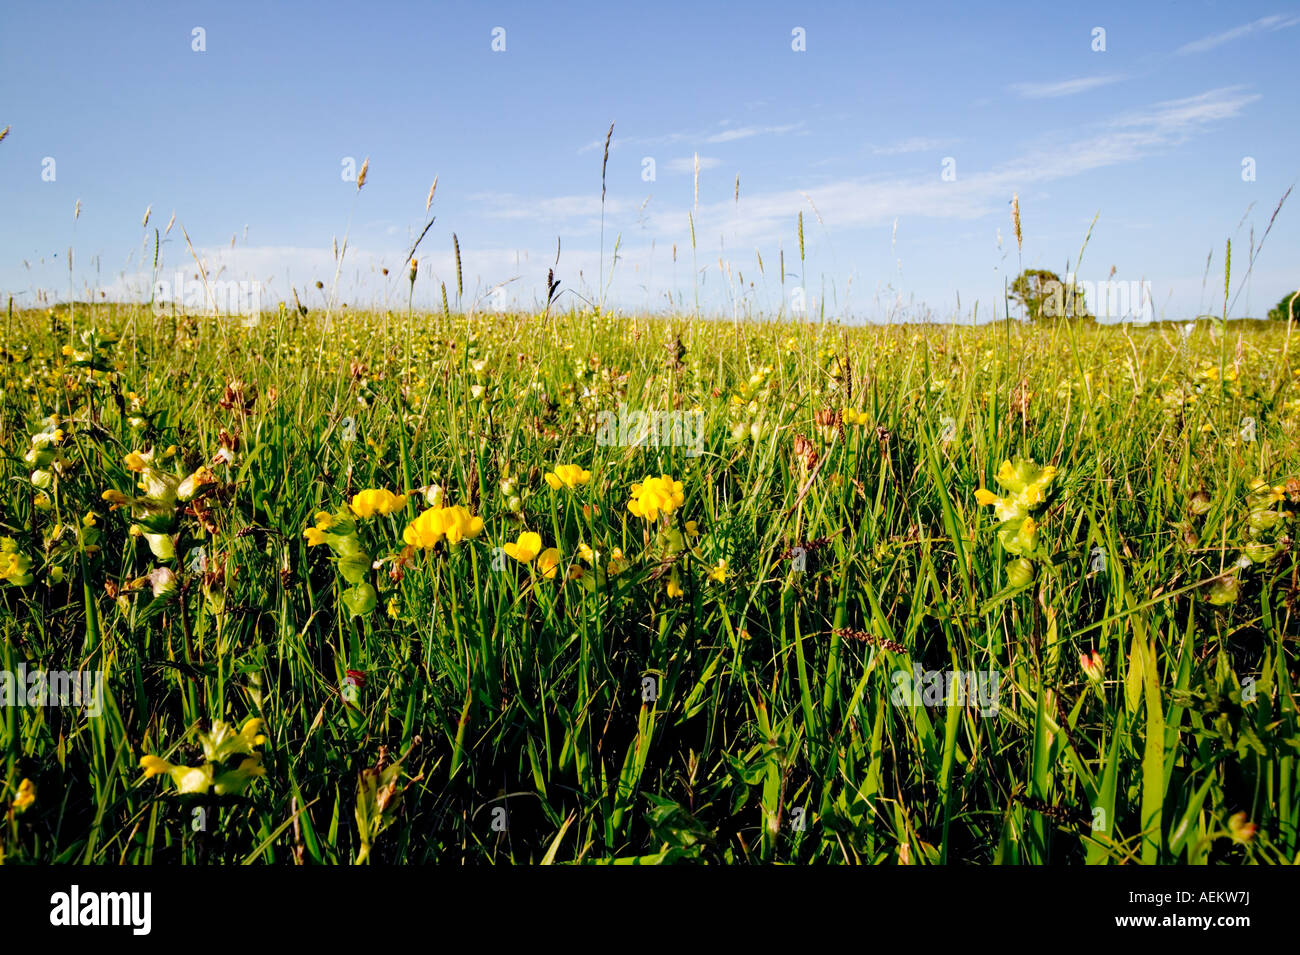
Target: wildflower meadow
368, 587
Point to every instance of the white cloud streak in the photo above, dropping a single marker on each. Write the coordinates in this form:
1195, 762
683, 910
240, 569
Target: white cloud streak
1063, 87
1273, 23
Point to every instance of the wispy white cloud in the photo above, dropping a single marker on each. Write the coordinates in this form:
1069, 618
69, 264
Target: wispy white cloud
745, 132
1277, 21
726, 134
1063, 87
863, 202
855, 203
505, 205
687, 164
916, 144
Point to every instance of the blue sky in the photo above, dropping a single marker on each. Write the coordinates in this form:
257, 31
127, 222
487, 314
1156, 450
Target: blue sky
245, 141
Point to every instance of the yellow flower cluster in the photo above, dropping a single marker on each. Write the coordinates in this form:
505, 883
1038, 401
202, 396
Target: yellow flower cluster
316, 535
1028, 486
26, 796
567, 475
527, 546
15, 568
374, 501
452, 523
219, 746
655, 495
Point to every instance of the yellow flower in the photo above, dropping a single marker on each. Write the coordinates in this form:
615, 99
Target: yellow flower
187, 779
190, 486
394, 609
115, 498
692, 529
315, 536
324, 520
528, 546
655, 495
135, 461
200, 779
719, 573
26, 795
1028, 486
15, 568
459, 523
223, 742
674, 587
454, 523
1006, 508
567, 475
374, 501
426, 530
547, 561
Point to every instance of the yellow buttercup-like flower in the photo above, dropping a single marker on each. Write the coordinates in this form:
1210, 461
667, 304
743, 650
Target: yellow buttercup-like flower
426, 530
453, 523
656, 495
547, 561
528, 546
567, 475
459, 523
374, 501
26, 796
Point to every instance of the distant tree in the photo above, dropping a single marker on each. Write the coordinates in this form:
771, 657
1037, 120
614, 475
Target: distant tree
1044, 296
1286, 309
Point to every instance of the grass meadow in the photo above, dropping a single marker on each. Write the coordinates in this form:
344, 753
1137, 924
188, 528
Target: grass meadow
404, 587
